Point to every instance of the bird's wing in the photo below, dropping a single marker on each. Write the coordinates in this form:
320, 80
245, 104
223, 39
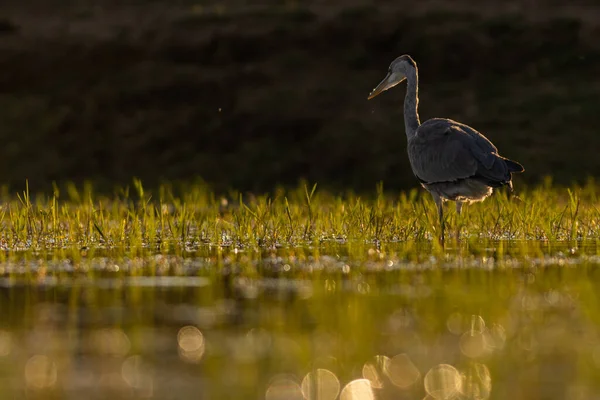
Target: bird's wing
444, 151
483, 149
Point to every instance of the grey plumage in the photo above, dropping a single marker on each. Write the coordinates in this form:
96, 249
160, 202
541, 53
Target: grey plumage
451, 160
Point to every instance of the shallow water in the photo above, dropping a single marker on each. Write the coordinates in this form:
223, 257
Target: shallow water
518, 319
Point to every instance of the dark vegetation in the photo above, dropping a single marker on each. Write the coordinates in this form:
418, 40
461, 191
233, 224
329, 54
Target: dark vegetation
253, 97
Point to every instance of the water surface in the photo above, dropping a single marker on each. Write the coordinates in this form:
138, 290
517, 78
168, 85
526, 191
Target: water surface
514, 319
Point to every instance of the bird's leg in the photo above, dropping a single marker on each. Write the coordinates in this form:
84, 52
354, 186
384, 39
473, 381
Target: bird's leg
440, 206
458, 208
442, 224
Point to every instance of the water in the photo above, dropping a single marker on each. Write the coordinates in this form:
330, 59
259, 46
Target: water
356, 321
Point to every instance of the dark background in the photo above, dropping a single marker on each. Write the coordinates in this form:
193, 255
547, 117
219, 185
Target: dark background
254, 95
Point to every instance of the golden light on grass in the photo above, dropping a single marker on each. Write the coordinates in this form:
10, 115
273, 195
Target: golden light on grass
402, 372
40, 372
190, 344
443, 382
283, 389
359, 389
240, 224
376, 370
321, 384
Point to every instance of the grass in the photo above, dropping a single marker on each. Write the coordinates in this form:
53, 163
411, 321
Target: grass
193, 216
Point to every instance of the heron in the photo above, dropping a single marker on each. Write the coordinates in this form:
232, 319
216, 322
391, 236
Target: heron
451, 160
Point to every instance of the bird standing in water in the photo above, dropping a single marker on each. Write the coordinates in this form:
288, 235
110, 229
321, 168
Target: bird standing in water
451, 160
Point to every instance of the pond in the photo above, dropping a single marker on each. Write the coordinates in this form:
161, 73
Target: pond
352, 320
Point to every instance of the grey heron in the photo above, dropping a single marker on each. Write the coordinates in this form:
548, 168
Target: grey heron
451, 160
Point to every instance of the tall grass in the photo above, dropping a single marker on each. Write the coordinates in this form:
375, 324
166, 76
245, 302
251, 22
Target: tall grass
191, 216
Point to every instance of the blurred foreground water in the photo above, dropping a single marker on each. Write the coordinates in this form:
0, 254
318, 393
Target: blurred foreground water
347, 321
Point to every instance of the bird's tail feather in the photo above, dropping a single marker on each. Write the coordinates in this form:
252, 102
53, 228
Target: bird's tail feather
513, 166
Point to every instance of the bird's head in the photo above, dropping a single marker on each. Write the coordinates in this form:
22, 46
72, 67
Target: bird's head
399, 69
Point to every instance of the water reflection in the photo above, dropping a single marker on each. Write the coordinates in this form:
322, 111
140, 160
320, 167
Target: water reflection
474, 343
476, 382
110, 341
455, 323
359, 389
136, 373
376, 371
5, 343
191, 344
299, 324
321, 384
40, 372
250, 346
402, 371
443, 382
284, 388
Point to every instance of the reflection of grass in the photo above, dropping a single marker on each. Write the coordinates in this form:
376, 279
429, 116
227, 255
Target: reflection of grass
133, 218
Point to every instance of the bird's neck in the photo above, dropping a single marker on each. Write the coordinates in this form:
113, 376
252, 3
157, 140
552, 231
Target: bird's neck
411, 104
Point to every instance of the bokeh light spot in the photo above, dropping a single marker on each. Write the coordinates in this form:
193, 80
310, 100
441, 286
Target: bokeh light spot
376, 370
113, 342
477, 382
359, 389
455, 323
191, 344
321, 384
477, 324
284, 389
496, 337
443, 382
40, 372
402, 372
473, 345
475, 342
135, 373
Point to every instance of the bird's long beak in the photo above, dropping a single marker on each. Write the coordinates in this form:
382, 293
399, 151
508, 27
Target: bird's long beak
389, 81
